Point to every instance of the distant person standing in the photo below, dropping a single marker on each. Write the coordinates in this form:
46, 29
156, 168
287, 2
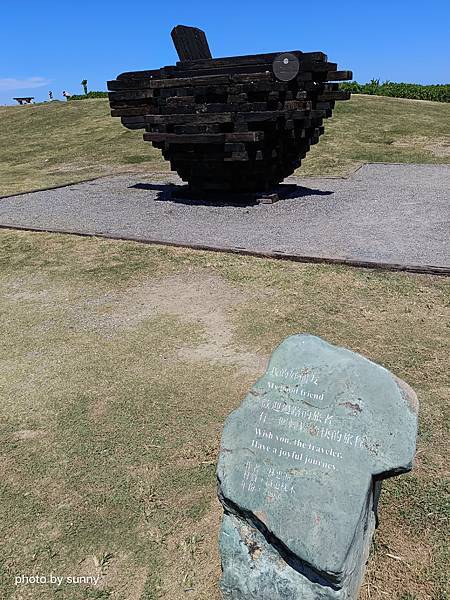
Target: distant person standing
50, 95
67, 95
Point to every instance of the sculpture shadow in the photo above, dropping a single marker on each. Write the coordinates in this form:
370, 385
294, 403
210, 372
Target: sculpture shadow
180, 194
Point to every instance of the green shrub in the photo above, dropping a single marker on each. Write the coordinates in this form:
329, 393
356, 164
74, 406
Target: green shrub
437, 93
89, 95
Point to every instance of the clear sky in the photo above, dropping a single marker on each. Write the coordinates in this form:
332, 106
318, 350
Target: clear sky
53, 45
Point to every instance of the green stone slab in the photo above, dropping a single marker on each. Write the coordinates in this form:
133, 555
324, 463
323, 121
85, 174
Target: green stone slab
302, 457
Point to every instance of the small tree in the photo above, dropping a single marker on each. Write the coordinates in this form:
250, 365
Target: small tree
84, 84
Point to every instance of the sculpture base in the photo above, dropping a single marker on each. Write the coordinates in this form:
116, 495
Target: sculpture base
218, 197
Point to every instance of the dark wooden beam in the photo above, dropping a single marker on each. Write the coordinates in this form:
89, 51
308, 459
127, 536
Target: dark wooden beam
190, 43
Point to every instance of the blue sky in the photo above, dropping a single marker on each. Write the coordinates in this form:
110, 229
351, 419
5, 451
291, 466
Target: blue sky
47, 45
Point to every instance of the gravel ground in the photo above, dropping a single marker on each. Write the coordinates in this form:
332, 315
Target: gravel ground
384, 213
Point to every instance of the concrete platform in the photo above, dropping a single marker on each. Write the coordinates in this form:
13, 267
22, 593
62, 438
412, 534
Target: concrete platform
387, 215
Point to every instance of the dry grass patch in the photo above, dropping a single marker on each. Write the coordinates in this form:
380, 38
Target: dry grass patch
380, 129
55, 143
195, 568
439, 147
120, 363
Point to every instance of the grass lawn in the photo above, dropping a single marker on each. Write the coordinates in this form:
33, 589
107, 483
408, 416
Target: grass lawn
56, 143
120, 363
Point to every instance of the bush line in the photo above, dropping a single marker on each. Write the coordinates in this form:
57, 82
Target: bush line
415, 91
89, 95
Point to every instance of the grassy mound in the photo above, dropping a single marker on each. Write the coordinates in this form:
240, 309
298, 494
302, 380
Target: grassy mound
55, 143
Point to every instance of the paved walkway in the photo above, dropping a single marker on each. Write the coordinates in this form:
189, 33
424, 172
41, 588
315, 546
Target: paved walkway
393, 215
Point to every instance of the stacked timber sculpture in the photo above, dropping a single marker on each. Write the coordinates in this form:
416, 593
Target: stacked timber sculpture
238, 124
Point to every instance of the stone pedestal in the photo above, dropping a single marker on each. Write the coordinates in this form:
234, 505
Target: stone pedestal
300, 471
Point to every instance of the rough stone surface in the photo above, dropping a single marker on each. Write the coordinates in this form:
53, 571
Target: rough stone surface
382, 213
299, 471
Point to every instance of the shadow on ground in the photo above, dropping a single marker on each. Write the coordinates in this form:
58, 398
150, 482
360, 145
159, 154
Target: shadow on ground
180, 194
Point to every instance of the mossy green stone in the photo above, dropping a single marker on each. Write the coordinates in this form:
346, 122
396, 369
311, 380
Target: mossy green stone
300, 464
